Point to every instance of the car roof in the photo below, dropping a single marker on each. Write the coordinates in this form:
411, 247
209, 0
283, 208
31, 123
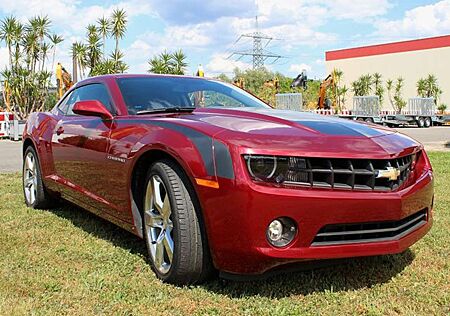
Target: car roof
119, 76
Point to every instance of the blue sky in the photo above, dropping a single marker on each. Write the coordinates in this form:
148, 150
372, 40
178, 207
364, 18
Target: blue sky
207, 30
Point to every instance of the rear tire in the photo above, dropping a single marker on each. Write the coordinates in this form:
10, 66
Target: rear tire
427, 122
33, 188
175, 240
420, 122
369, 120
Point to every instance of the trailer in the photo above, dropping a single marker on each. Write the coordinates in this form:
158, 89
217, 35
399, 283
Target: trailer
5, 118
419, 111
289, 101
365, 108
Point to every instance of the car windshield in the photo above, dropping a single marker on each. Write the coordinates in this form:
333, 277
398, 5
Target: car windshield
147, 94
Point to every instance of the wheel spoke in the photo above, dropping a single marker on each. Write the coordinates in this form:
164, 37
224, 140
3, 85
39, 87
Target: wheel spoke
168, 244
29, 181
166, 211
148, 198
153, 220
159, 255
157, 198
32, 195
30, 161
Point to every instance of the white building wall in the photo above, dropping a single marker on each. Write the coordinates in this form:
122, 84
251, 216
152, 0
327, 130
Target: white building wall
411, 66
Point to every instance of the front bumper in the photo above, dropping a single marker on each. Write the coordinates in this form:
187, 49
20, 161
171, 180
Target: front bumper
238, 214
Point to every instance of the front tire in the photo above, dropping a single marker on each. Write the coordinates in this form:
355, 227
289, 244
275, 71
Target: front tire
176, 245
33, 188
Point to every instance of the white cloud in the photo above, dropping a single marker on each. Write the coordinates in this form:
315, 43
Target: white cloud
428, 20
357, 10
298, 68
182, 12
220, 64
71, 14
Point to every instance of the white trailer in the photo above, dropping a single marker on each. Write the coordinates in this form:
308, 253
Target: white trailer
289, 101
419, 111
365, 108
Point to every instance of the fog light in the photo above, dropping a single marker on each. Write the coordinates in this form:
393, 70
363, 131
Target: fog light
281, 231
275, 230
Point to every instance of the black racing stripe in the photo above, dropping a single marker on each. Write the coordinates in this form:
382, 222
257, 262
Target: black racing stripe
223, 160
204, 145
339, 128
202, 141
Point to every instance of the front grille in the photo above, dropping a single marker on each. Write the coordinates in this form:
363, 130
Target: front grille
338, 234
352, 174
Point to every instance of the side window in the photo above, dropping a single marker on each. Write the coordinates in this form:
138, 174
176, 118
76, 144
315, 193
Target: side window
94, 91
63, 105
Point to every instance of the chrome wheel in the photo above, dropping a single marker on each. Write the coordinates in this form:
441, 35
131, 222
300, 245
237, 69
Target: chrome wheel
158, 224
30, 178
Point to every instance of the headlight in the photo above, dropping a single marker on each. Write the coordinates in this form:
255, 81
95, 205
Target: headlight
262, 167
277, 169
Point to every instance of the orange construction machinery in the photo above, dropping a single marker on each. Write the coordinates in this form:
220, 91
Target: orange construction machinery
323, 102
63, 80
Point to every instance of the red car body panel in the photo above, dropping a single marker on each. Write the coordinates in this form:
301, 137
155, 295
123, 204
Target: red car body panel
91, 161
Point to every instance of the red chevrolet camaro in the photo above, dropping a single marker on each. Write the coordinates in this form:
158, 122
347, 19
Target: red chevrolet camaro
214, 179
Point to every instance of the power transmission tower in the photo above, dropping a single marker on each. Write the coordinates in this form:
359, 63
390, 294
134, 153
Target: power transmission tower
258, 53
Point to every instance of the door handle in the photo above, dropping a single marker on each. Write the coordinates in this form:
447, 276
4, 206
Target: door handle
60, 130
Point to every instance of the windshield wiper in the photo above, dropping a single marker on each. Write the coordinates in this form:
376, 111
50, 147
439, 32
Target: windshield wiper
167, 110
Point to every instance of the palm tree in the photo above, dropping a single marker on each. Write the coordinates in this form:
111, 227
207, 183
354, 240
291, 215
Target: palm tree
7, 29
179, 62
79, 51
55, 40
156, 65
38, 29
104, 28
121, 67
44, 48
118, 25
379, 90
93, 47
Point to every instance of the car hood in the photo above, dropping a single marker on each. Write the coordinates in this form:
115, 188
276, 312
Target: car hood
283, 132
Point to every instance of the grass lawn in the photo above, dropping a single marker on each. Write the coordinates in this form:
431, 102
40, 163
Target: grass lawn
67, 261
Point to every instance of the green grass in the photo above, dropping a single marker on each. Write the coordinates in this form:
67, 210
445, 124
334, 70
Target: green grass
67, 261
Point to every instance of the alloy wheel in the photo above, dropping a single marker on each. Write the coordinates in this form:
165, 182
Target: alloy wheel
158, 224
30, 178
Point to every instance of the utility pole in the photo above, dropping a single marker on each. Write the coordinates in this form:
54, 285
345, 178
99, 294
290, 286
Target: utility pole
258, 53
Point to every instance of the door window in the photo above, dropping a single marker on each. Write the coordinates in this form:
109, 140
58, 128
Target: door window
95, 91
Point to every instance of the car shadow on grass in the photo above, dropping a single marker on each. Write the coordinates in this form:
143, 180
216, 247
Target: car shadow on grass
101, 228
297, 279
321, 276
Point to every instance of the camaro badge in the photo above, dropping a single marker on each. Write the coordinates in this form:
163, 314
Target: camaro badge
118, 159
390, 172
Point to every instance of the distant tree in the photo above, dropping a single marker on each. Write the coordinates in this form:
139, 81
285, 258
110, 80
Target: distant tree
168, 63
428, 88
378, 87
104, 29
224, 78
395, 94
25, 81
55, 40
118, 25
363, 85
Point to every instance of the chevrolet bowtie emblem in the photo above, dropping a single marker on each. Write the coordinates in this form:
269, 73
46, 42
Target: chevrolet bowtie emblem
390, 173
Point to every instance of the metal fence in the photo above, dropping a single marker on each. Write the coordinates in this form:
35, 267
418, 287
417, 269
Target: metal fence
421, 106
366, 106
289, 101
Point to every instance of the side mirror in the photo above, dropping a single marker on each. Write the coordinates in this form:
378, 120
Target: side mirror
92, 108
